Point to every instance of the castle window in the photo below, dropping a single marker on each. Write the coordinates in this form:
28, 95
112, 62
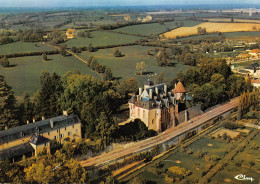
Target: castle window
65, 128
48, 133
72, 126
152, 121
69, 133
61, 135
55, 137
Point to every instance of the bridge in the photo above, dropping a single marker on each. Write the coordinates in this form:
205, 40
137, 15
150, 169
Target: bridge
168, 135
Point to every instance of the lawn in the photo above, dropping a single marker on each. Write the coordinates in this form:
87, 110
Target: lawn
100, 38
125, 67
154, 28
26, 74
20, 47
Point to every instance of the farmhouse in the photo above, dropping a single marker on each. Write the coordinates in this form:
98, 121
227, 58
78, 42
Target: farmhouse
70, 33
29, 139
156, 106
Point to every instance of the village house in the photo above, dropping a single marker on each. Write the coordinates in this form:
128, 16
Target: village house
31, 138
147, 18
70, 33
127, 18
156, 106
254, 52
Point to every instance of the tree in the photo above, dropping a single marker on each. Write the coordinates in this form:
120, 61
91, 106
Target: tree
162, 58
106, 127
90, 48
44, 57
117, 53
108, 76
4, 62
8, 109
62, 50
141, 67
26, 108
127, 86
46, 99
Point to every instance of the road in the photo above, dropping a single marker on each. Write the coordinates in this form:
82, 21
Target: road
161, 138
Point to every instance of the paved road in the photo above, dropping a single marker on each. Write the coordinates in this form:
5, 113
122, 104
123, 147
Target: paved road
161, 138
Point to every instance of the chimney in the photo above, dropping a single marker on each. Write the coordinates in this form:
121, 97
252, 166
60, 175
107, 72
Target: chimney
186, 115
65, 113
28, 122
156, 90
140, 91
33, 120
43, 118
51, 123
165, 88
175, 85
150, 93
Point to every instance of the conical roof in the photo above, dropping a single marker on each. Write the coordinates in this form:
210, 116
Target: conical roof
179, 88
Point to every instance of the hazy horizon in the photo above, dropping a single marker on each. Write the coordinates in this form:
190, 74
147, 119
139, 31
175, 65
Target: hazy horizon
89, 3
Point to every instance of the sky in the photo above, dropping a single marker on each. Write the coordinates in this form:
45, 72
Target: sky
78, 3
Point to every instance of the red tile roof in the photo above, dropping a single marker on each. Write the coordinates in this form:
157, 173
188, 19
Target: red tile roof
179, 88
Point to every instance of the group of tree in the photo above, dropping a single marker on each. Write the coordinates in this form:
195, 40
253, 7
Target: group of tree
247, 101
162, 58
212, 82
4, 62
201, 31
84, 34
31, 35
44, 168
118, 53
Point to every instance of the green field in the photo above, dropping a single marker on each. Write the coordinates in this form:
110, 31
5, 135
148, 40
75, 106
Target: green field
154, 28
26, 74
100, 38
125, 67
20, 47
242, 35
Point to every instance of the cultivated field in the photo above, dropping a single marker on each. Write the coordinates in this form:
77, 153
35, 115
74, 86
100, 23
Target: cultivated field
155, 28
20, 47
100, 38
26, 74
211, 28
125, 67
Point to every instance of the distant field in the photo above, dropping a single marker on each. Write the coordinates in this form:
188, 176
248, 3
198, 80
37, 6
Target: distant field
25, 76
102, 38
235, 20
211, 27
125, 67
19, 47
155, 28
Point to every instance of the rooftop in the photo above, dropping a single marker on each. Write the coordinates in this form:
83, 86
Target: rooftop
179, 88
41, 126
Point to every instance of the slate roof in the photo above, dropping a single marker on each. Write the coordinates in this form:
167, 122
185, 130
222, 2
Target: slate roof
41, 126
38, 139
16, 151
179, 88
